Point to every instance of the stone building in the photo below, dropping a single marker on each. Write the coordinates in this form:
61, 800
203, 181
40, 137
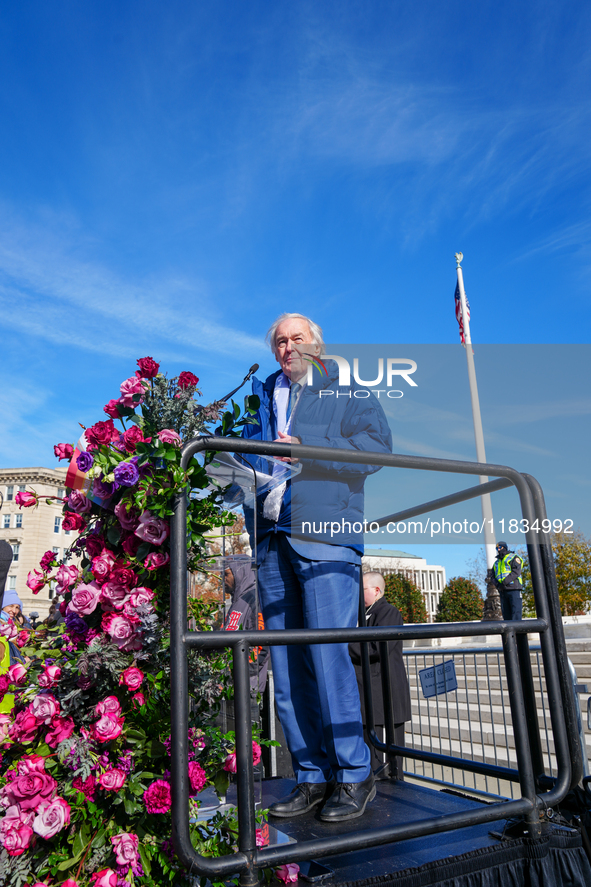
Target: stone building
32, 531
429, 578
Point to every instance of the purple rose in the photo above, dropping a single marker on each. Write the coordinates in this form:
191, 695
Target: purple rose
127, 515
102, 490
126, 474
152, 529
75, 624
78, 502
85, 462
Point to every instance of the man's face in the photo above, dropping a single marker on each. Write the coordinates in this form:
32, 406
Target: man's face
371, 592
229, 580
293, 337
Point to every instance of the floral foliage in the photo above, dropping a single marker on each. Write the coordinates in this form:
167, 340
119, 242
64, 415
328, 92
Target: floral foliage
84, 773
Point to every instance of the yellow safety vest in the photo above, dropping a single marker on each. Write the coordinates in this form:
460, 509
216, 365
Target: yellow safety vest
502, 567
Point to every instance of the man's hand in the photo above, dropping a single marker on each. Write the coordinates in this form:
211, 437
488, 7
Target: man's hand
287, 438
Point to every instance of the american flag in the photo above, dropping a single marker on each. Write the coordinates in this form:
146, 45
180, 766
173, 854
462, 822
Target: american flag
459, 317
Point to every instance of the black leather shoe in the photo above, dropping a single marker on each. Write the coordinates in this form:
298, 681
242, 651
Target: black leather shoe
349, 800
303, 798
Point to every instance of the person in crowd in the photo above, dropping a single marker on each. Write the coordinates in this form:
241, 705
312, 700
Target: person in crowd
239, 580
507, 578
378, 611
308, 581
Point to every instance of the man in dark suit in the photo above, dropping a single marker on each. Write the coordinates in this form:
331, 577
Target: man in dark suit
378, 611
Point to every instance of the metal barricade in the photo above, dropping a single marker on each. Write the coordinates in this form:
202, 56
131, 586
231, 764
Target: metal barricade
538, 790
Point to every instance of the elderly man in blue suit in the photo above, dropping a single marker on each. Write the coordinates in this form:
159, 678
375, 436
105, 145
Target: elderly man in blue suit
310, 579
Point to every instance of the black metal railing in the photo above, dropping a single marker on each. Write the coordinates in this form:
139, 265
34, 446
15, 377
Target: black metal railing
537, 790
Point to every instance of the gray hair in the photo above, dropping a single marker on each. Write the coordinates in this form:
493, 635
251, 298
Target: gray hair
377, 580
315, 330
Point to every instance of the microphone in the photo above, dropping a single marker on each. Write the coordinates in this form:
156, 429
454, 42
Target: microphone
250, 373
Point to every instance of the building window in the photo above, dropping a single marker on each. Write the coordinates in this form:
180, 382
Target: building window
6, 521
439, 582
61, 492
9, 494
56, 549
18, 521
15, 552
57, 524
423, 580
430, 581
67, 532
12, 582
22, 489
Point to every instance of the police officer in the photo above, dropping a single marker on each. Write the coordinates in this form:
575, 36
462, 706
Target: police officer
507, 578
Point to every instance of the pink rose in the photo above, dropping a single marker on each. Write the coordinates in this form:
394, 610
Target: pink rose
51, 818
124, 576
22, 638
132, 678
61, 729
29, 791
169, 436
125, 846
110, 705
49, 677
17, 673
130, 389
152, 529
127, 515
132, 437
157, 797
141, 595
24, 728
47, 561
104, 878
138, 700
112, 780
25, 499
35, 581
148, 367
111, 409
261, 840
63, 451
107, 727
45, 708
5, 722
16, 832
156, 559
69, 883
256, 753
78, 502
287, 873
113, 596
31, 764
123, 631
197, 776
65, 577
230, 763
8, 630
102, 566
85, 599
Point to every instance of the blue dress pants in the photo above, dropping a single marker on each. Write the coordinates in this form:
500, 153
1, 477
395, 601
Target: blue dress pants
511, 604
315, 687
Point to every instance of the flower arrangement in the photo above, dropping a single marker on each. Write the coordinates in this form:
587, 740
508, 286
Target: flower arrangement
84, 785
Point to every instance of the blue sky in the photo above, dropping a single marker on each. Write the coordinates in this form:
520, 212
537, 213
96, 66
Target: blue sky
173, 176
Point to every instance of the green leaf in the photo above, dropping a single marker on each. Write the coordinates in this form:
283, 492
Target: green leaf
236, 410
146, 863
113, 535
155, 748
252, 403
221, 780
68, 863
143, 551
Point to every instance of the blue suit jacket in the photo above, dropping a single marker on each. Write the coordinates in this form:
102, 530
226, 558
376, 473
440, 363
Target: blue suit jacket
325, 491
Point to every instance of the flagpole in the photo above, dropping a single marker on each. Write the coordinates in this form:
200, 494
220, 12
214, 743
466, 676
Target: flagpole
487, 514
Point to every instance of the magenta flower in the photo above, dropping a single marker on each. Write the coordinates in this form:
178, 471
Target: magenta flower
230, 763
25, 499
197, 776
85, 599
132, 678
107, 727
157, 797
287, 873
112, 780
169, 436
125, 846
104, 878
63, 451
127, 515
187, 380
61, 728
130, 389
156, 559
49, 677
148, 367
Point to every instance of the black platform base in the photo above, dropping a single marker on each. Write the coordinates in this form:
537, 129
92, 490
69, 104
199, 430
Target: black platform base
468, 857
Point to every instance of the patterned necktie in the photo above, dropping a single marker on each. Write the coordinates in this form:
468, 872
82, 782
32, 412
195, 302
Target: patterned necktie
294, 390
